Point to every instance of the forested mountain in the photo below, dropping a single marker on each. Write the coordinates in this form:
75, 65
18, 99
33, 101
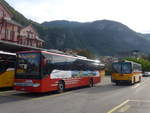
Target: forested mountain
102, 37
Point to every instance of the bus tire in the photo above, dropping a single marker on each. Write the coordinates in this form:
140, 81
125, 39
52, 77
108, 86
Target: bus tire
61, 86
91, 84
132, 81
117, 83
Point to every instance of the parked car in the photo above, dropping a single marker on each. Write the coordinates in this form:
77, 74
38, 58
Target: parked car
146, 74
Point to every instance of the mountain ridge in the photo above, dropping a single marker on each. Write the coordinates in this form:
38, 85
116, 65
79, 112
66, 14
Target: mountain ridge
101, 37
110, 35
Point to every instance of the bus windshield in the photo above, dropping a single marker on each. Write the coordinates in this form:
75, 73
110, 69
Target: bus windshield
124, 68
116, 67
28, 65
5, 63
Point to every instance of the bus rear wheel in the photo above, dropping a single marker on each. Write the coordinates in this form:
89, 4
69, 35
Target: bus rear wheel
61, 87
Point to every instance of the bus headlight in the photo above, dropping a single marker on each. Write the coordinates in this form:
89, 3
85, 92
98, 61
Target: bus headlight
36, 85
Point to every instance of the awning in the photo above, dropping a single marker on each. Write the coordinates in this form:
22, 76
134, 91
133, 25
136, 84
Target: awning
12, 47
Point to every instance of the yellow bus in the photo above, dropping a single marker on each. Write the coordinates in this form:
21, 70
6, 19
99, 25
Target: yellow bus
7, 69
126, 71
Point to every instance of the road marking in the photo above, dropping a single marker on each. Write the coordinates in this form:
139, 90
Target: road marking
7, 93
139, 84
50, 96
117, 107
13, 96
124, 108
10, 94
3, 92
148, 101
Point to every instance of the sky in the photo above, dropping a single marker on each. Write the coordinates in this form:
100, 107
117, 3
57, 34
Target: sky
133, 13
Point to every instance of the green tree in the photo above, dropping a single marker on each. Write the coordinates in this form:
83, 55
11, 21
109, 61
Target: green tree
145, 63
86, 53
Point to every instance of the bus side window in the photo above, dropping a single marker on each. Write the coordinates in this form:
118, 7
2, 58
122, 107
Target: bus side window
46, 64
3, 67
58, 62
136, 68
70, 64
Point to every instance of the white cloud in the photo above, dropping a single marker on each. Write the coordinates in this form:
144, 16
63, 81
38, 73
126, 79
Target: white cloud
134, 13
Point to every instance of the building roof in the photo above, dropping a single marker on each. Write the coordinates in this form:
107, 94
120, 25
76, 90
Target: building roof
4, 6
13, 47
12, 22
39, 39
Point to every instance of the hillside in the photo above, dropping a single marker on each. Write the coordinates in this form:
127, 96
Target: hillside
102, 37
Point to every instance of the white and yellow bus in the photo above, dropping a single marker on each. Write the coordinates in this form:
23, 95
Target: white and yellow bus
126, 71
7, 69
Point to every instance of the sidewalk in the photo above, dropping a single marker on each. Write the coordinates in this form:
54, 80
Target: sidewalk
106, 80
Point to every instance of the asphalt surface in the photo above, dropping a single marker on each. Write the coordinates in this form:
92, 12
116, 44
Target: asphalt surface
106, 97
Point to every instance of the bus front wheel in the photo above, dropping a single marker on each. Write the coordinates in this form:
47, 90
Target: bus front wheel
61, 87
117, 83
132, 81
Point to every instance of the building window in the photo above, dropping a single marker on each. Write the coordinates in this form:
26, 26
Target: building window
6, 34
1, 13
1, 25
12, 35
28, 35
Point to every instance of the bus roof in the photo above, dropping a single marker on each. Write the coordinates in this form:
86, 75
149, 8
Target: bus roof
127, 61
60, 53
72, 56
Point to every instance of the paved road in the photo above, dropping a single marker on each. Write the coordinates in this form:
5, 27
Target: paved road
104, 98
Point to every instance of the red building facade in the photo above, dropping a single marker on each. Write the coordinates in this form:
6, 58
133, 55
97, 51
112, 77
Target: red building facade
29, 36
9, 29
13, 32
